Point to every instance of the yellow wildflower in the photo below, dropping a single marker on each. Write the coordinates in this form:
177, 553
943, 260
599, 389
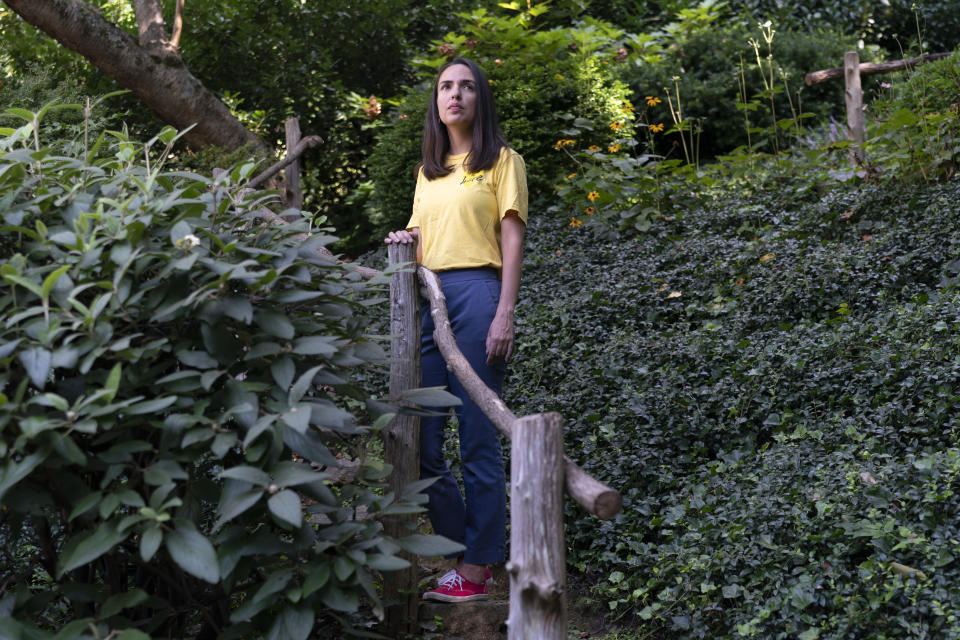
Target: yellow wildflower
616, 126
563, 143
574, 222
571, 176
613, 148
593, 195
652, 101
656, 128
626, 107
589, 211
558, 76
593, 147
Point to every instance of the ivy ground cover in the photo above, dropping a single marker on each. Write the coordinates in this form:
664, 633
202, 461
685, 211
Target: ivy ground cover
770, 382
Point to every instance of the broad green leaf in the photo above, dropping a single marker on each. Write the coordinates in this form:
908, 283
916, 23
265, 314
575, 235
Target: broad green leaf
85, 503
13, 471
117, 603
315, 346
247, 474
429, 545
196, 359
293, 623
383, 562
9, 347
286, 507
283, 370
90, 547
316, 579
310, 445
75, 629
237, 504
29, 285
303, 383
51, 280
275, 324
38, 363
113, 382
151, 406
431, 397
340, 600
149, 543
343, 568
291, 474
192, 552
298, 417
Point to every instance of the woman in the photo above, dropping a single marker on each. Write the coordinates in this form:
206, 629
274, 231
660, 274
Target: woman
468, 222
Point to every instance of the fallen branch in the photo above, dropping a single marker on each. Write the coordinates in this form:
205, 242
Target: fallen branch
593, 495
305, 143
868, 68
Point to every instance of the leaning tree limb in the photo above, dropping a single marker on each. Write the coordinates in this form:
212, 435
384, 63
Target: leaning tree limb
593, 495
175, 94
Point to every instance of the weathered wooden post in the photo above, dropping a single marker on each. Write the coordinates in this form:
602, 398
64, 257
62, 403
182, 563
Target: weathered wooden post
401, 440
856, 121
537, 551
293, 194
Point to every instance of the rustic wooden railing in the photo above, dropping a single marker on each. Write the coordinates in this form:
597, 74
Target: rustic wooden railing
851, 71
538, 471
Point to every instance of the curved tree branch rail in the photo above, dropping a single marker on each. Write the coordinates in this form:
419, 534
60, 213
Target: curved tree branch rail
593, 495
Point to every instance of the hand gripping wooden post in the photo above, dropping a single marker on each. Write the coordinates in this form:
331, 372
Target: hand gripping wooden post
537, 550
401, 440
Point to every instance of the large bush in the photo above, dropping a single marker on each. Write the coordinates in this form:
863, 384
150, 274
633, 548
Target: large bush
176, 400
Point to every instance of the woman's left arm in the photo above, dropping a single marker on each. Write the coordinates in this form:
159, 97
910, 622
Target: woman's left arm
500, 335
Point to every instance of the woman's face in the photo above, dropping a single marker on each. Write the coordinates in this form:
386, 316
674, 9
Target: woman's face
457, 97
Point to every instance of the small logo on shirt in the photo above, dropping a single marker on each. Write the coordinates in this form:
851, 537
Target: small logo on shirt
471, 178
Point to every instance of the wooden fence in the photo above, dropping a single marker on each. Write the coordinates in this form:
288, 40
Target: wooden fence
539, 470
851, 71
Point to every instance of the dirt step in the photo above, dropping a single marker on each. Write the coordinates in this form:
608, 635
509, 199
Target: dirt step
483, 620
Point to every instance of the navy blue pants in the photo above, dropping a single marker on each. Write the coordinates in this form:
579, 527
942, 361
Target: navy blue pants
479, 523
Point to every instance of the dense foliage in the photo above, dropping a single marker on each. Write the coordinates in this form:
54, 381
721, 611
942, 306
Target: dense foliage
770, 381
178, 406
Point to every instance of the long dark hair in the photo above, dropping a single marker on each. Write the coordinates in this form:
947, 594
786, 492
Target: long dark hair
488, 140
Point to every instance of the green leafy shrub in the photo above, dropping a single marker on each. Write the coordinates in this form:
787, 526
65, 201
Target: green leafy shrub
176, 402
539, 79
771, 382
914, 131
706, 63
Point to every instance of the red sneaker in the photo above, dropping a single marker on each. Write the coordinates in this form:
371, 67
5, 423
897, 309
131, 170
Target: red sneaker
453, 587
486, 572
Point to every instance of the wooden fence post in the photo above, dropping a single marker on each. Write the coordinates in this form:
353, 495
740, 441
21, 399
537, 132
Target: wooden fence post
537, 551
401, 440
293, 194
856, 121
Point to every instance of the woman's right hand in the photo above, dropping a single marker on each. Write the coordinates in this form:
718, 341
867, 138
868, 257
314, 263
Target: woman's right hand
402, 236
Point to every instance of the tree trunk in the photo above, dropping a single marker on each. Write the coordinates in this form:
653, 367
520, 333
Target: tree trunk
153, 32
178, 97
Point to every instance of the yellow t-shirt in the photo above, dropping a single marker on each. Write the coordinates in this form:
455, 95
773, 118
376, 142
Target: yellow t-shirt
459, 214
